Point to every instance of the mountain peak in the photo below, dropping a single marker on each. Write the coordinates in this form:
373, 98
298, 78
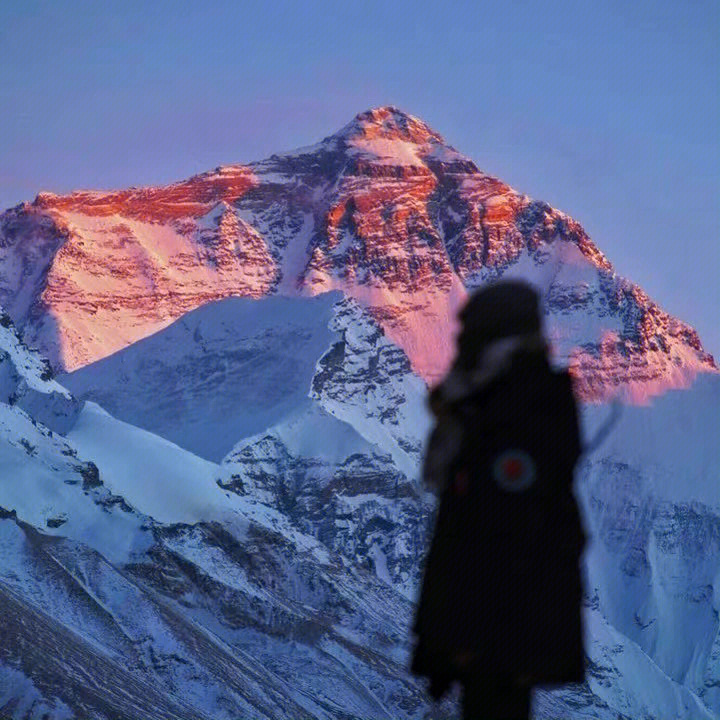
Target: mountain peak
384, 210
390, 123
388, 136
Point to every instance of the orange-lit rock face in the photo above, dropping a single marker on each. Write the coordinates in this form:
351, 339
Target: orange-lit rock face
660, 352
118, 272
384, 210
381, 235
191, 197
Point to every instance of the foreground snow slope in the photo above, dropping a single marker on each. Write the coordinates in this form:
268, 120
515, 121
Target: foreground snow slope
653, 510
132, 585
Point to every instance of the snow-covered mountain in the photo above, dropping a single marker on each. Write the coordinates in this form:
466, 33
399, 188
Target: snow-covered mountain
253, 346
134, 585
384, 211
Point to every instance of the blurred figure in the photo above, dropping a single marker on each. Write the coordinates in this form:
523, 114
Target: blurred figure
500, 605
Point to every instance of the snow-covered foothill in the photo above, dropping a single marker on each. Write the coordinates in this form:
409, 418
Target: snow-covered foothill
222, 372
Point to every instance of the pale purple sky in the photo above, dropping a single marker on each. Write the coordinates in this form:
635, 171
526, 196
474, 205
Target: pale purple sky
609, 111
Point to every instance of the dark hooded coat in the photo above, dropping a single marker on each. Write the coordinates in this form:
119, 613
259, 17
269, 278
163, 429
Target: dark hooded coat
501, 595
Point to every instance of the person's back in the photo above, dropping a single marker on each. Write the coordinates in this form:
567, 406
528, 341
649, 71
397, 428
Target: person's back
500, 604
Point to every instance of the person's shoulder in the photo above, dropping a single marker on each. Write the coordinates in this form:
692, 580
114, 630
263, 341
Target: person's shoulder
563, 380
563, 392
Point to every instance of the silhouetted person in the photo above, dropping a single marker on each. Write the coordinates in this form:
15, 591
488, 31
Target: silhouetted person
500, 606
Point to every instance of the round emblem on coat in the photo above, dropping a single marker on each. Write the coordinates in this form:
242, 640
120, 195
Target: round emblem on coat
514, 470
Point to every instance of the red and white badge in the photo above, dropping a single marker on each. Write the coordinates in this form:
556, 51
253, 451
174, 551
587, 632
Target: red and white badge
514, 470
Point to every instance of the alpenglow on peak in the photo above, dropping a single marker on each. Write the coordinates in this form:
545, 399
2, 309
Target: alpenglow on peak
391, 123
389, 136
383, 211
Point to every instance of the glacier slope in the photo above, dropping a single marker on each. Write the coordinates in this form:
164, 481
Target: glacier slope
220, 373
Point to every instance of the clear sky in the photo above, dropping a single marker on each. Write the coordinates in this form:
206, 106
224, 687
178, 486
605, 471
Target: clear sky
607, 110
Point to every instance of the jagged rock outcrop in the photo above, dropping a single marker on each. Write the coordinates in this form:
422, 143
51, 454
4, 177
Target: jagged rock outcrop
26, 380
344, 467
